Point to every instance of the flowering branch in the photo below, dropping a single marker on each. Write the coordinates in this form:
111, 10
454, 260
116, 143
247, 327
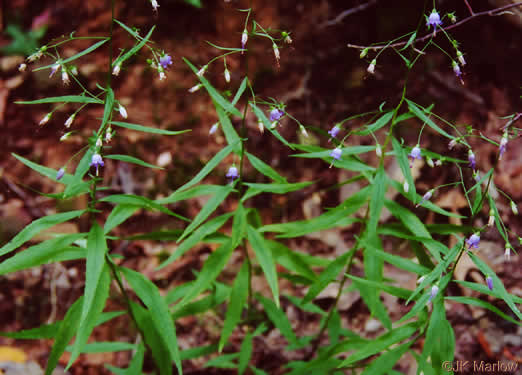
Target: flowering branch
492, 12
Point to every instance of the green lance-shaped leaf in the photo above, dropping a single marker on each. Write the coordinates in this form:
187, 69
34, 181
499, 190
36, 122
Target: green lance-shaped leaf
148, 129
204, 230
485, 305
152, 338
78, 55
64, 99
42, 253
65, 333
498, 286
238, 298
135, 48
327, 276
228, 129
278, 317
118, 215
209, 207
381, 343
36, 227
215, 95
135, 365
387, 361
159, 311
266, 261
402, 159
380, 123
218, 158
265, 169
133, 160
107, 110
137, 200
210, 271
420, 113
88, 322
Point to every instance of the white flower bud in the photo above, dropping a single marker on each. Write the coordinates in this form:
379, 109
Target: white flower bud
123, 111
214, 128
421, 279
155, 5
99, 142
430, 162
303, 131
491, 219
65, 136
363, 53
108, 135
227, 75
276, 52
65, 77
378, 150
116, 69
162, 75
406, 186
452, 144
70, 120
22, 67
507, 253
202, 71
195, 88
371, 67
514, 208
460, 57
46, 119
244, 39
438, 162
261, 127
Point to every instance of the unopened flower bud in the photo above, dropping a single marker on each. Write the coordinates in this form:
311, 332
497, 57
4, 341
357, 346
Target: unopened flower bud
473, 241
438, 162
54, 69
46, 119
261, 127
363, 53
421, 279
452, 143
116, 69
244, 39
108, 134
425, 197
70, 120
303, 131
99, 143
22, 67
456, 70
227, 75
213, 129
460, 57
202, 71
514, 208
195, 88
507, 253
433, 292
491, 219
452, 17
489, 282
503, 144
74, 70
371, 67
430, 162
155, 5
123, 111
60, 173
406, 186
378, 150
65, 136
276, 52
65, 77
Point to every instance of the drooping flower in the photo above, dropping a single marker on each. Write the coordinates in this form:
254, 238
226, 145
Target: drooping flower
489, 282
430, 162
22, 67
60, 173
244, 39
414, 154
334, 131
491, 219
65, 136
162, 75
70, 120
108, 134
433, 293
276, 52
425, 197
433, 20
378, 150
336, 153
232, 173
476, 176
371, 67
97, 162
65, 77
503, 144
123, 111
54, 69
303, 130
155, 5
261, 127
471, 159
473, 241
36, 56
452, 143
276, 114
507, 253
456, 70
460, 57
165, 61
